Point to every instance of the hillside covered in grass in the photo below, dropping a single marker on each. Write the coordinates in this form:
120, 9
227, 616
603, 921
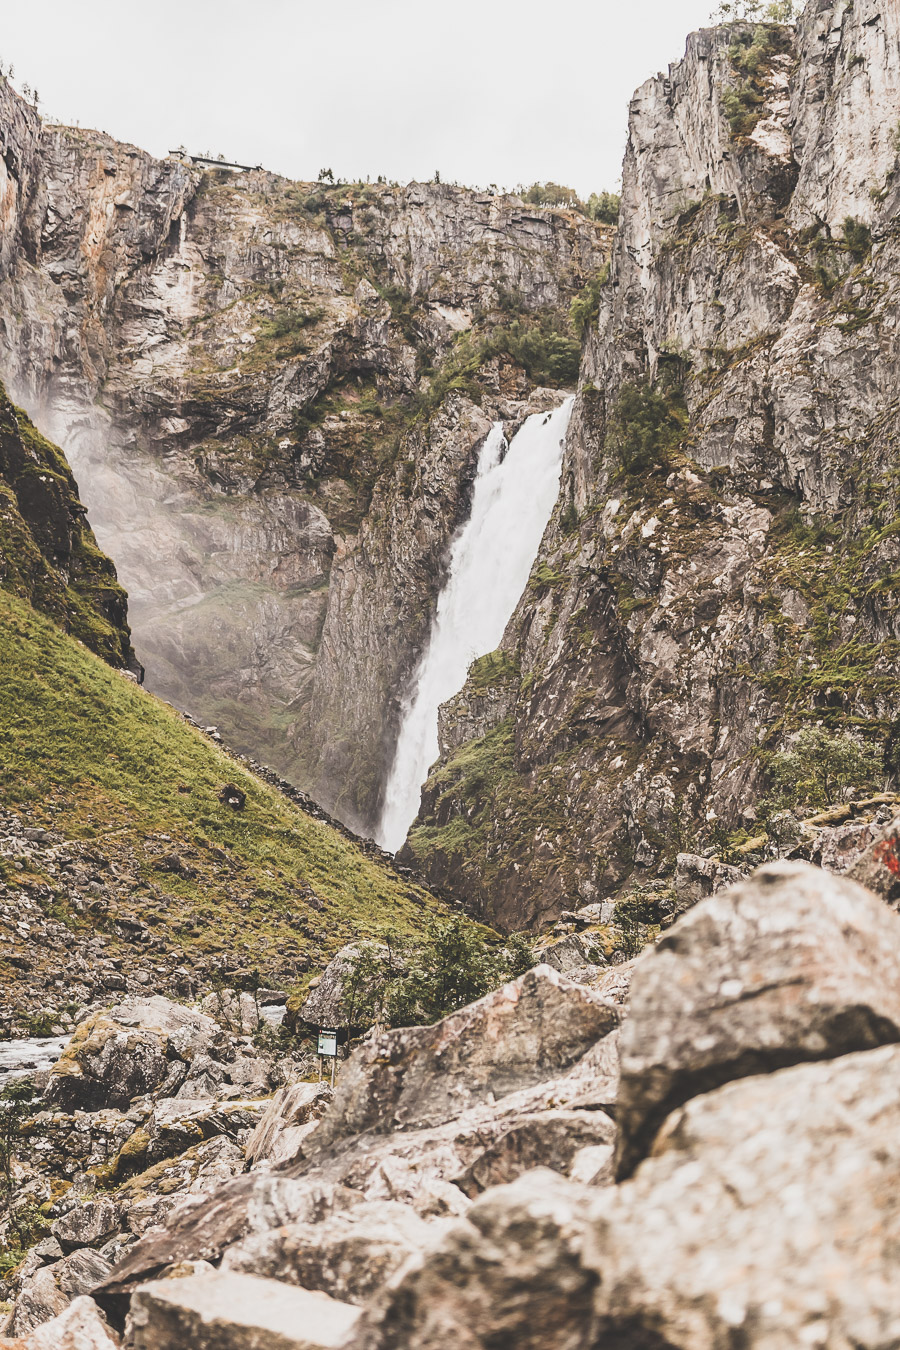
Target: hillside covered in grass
132, 845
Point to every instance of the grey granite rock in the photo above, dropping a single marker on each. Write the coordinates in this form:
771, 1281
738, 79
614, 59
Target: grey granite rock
791, 965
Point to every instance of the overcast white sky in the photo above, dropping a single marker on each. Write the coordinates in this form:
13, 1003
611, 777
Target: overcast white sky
485, 91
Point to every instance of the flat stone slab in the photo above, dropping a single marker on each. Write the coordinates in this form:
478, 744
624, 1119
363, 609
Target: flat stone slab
227, 1311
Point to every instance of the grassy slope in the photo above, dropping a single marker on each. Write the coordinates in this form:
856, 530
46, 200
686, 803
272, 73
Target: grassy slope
88, 753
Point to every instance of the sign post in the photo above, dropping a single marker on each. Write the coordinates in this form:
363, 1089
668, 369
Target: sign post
327, 1047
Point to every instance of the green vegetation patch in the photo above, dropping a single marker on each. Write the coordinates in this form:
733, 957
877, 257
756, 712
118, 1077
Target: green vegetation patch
413, 982
648, 425
751, 54
585, 308
286, 331
491, 670
48, 553
601, 206
819, 768
90, 754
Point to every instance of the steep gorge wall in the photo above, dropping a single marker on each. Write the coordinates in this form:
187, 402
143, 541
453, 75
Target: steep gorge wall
722, 567
234, 365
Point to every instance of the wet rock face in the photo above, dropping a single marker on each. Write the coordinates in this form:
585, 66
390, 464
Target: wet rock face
683, 598
258, 344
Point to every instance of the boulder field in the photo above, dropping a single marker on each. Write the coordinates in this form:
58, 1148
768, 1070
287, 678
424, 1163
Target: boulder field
712, 1162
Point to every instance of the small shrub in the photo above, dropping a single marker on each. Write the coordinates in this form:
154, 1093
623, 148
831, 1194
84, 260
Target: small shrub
603, 206
569, 519
857, 239
287, 328
585, 308
740, 107
16, 1099
646, 426
411, 982
742, 11
637, 908
820, 768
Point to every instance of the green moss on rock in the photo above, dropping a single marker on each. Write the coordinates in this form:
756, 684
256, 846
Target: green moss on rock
48, 553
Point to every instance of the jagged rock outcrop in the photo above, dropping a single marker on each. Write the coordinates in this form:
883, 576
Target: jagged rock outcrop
128, 1052
423, 1117
792, 965
48, 553
159, 1107
289, 1118
722, 566
232, 363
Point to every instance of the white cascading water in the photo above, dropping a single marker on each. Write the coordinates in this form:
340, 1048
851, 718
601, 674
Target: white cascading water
490, 560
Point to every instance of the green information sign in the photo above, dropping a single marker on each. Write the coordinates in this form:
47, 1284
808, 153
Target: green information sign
327, 1042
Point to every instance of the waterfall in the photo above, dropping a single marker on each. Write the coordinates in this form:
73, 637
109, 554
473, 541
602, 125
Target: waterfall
490, 560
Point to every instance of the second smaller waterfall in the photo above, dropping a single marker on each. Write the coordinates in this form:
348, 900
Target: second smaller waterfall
490, 560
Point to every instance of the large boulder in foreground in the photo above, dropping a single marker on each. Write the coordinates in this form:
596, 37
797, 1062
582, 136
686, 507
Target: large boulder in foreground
125, 1052
349, 1255
530, 1030
768, 1217
792, 965
237, 1312
511, 1273
80, 1326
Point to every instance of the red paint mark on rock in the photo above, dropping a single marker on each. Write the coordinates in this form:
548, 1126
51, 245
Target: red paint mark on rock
886, 853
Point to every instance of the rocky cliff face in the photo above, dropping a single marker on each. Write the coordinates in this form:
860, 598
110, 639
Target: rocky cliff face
48, 554
723, 566
233, 364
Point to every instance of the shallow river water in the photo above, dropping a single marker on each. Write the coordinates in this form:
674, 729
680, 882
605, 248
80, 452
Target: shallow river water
29, 1055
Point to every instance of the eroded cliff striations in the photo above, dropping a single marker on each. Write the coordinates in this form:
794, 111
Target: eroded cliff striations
234, 364
723, 563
